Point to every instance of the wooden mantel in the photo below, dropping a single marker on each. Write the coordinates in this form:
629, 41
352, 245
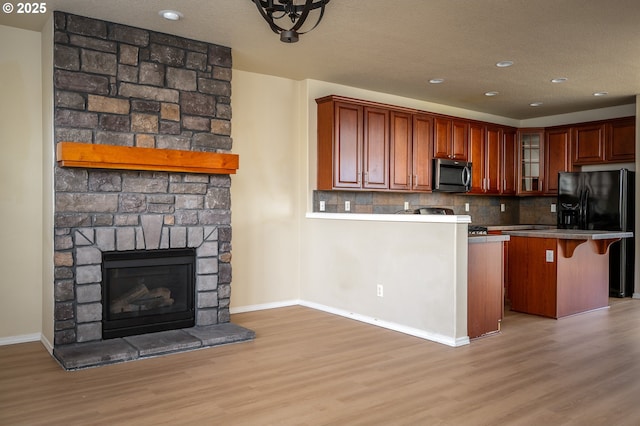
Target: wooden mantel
93, 156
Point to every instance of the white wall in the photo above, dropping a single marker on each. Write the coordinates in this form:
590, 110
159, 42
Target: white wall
20, 184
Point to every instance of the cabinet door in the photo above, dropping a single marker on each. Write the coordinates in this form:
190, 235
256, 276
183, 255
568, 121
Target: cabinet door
477, 156
376, 148
493, 148
556, 160
530, 161
621, 140
401, 151
348, 144
422, 148
460, 140
588, 144
509, 162
442, 137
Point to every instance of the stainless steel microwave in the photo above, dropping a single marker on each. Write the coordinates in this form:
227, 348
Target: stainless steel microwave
451, 175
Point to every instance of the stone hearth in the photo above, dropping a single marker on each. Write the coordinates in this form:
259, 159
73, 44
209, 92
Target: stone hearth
84, 355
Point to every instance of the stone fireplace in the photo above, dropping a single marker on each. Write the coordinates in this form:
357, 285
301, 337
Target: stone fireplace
128, 87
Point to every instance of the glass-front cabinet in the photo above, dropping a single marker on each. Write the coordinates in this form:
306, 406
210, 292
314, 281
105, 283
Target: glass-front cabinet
530, 170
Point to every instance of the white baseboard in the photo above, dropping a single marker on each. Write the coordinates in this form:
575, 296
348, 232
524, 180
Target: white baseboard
636, 295
263, 306
47, 344
35, 337
434, 337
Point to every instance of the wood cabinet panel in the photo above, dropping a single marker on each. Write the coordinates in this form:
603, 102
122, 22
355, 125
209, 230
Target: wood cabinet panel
376, 148
485, 147
348, 145
442, 137
493, 160
460, 141
621, 140
401, 151
484, 288
451, 139
509, 167
587, 144
556, 158
422, 148
527, 264
477, 157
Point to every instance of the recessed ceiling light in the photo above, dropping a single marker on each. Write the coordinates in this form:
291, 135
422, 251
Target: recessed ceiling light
535, 104
601, 94
436, 80
504, 64
491, 93
170, 15
559, 80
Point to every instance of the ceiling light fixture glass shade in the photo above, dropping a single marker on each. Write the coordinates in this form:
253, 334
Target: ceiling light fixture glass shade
296, 10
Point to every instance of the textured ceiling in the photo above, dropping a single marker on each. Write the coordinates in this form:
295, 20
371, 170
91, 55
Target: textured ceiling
397, 46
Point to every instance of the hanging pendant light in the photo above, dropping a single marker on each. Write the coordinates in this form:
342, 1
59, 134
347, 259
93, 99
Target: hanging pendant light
298, 13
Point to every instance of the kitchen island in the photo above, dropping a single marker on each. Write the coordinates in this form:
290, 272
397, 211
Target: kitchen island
559, 272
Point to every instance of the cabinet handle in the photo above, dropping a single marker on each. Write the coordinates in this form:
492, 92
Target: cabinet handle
410, 180
366, 178
415, 180
359, 177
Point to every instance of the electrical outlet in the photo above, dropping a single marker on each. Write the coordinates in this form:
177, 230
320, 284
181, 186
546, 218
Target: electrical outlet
466, 207
379, 290
406, 205
553, 208
502, 207
549, 256
347, 206
323, 206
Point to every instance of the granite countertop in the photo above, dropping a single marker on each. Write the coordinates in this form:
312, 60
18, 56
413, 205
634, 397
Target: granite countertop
408, 218
569, 234
518, 227
475, 239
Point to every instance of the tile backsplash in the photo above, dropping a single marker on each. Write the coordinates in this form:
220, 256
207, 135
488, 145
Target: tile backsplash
484, 210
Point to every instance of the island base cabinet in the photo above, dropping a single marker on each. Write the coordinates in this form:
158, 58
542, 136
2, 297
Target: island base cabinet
485, 288
544, 281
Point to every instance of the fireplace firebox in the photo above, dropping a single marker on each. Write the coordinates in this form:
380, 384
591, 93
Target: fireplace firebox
147, 291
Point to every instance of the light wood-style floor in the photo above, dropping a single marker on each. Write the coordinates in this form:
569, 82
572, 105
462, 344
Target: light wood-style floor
312, 368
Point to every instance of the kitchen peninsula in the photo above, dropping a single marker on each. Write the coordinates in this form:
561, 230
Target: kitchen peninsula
403, 272
560, 272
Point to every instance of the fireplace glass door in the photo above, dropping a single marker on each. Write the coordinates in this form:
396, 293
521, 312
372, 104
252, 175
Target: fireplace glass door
147, 291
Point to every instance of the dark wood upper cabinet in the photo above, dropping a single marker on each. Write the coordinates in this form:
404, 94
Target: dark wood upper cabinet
353, 145
422, 148
365, 145
611, 141
485, 154
376, 148
556, 157
587, 144
401, 151
411, 145
621, 140
451, 139
530, 161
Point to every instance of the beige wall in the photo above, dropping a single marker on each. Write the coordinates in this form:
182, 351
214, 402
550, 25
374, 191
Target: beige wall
264, 192
20, 183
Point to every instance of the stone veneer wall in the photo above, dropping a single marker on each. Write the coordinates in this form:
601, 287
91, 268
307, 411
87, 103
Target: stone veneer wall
120, 85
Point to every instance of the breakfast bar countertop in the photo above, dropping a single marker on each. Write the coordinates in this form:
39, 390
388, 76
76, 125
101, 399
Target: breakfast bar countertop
570, 234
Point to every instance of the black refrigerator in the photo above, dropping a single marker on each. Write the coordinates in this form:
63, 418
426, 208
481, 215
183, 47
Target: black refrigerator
603, 201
